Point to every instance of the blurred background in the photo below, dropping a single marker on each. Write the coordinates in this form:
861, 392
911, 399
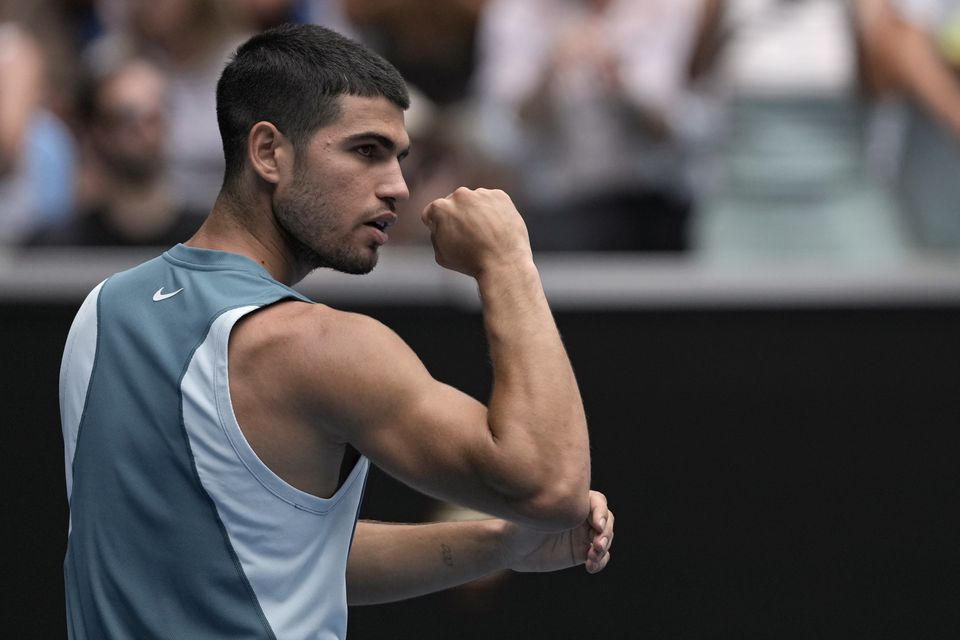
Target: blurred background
747, 218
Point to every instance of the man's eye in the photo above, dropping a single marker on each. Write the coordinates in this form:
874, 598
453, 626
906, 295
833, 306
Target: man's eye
366, 150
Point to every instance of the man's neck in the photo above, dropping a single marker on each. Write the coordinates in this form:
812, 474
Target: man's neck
252, 234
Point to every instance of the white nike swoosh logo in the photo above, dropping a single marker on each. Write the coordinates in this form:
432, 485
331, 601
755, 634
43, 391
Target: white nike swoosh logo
160, 295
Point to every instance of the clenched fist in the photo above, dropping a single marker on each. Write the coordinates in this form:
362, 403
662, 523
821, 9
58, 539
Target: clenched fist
472, 230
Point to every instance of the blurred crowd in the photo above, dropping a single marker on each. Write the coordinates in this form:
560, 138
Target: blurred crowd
729, 129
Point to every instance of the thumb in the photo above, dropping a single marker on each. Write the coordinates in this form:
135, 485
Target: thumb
429, 216
437, 252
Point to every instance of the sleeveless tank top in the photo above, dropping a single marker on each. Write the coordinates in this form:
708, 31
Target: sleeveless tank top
177, 529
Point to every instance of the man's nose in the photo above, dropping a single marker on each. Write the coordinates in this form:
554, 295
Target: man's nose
394, 187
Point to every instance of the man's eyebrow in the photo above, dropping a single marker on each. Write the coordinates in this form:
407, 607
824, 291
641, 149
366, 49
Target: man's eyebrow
382, 140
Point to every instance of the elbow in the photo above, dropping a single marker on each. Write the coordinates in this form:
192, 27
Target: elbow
545, 484
558, 506
559, 513
562, 515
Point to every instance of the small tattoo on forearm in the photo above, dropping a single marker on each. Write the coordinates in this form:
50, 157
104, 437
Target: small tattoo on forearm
447, 555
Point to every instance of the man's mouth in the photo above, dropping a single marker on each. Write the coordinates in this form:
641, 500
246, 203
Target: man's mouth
383, 222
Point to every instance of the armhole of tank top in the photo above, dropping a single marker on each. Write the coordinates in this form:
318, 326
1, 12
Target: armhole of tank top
248, 457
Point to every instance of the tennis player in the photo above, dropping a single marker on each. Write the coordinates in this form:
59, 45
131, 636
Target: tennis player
219, 426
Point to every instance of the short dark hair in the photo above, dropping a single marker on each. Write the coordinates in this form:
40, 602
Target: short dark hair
293, 76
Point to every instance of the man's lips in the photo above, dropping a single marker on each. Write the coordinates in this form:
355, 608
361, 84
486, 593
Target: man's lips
380, 224
383, 221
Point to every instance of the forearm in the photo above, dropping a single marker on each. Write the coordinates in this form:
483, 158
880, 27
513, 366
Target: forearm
390, 562
532, 458
535, 411
926, 77
900, 55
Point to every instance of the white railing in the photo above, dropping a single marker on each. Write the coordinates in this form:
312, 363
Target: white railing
409, 276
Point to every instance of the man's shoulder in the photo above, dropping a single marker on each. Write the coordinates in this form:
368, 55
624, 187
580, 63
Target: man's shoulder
312, 351
294, 317
296, 327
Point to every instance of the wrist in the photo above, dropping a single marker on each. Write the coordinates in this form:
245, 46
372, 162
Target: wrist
505, 533
506, 269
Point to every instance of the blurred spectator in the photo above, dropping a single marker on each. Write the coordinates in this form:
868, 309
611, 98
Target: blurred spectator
329, 13
922, 53
263, 14
191, 41
82, 21
430, 42
792, 177
587, 101
127, 195
36, 147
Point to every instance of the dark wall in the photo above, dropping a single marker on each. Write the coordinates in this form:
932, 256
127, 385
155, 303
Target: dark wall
787, 473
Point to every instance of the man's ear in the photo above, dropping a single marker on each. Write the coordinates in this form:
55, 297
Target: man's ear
268, 151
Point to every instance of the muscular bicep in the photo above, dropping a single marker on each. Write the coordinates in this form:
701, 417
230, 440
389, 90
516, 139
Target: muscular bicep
369, 389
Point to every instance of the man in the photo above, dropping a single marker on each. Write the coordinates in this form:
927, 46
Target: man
36, 147
212, 505
128, 198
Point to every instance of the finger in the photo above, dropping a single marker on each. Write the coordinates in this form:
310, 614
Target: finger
608, 529
599, 546
426, 216
598, 510
459, 193
596, 565
602, 541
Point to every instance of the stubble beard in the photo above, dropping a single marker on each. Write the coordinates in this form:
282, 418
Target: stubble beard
307, 224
